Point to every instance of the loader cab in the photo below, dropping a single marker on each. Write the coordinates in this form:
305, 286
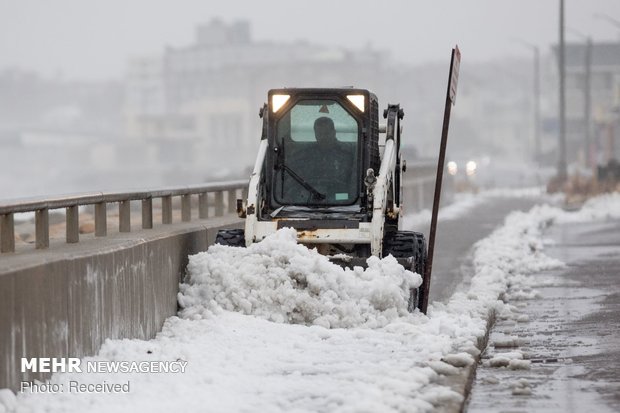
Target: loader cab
320, 143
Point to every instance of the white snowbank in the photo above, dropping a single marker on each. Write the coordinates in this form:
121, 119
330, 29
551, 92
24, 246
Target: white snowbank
386, 360
282, 281
603, 207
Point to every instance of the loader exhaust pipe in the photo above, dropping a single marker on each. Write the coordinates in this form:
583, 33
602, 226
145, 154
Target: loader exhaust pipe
453, 77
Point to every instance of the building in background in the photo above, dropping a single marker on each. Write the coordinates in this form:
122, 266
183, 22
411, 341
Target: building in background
198, 104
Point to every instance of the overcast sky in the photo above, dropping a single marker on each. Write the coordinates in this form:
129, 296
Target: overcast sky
93, 39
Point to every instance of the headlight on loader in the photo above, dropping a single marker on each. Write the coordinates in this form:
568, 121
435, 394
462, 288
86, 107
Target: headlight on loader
277, 101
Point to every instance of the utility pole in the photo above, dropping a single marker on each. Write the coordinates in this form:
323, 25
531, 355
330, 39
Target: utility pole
562, 172
537, 149
590, 163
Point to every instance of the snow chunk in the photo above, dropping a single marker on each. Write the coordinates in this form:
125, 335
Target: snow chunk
285, 282
499, 361
490, 380
458, 360
443, 368
516, 364
504, 359
506, 341
521, 388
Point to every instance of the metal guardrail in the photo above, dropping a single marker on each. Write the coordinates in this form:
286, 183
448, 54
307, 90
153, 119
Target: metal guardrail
100, 200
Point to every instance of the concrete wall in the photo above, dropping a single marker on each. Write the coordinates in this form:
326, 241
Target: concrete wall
64, 302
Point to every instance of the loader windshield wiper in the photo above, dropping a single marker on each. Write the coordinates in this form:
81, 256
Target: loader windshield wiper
316, 194
281, 164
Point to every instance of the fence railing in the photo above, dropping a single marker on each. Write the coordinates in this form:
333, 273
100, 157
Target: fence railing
100, 201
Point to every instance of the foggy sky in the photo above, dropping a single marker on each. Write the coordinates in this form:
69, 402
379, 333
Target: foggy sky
94, 39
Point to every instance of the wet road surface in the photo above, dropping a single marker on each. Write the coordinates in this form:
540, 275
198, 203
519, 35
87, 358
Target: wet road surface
570, 333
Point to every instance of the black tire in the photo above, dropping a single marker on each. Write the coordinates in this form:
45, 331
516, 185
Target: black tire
409, 244
231, 237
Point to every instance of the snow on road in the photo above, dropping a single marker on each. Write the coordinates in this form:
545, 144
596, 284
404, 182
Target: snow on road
278, 328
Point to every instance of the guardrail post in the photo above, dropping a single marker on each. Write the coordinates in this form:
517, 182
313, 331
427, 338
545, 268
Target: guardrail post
232, 201
7, 233
166, 209
219, 203
73, 224
42, 228
147, 213
203, 205
124, 216
101, 219
186, 208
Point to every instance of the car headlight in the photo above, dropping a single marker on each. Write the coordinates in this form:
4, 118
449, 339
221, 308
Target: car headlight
470, 168
452, 168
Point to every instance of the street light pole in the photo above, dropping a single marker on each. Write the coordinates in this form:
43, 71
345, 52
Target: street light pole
562, 172
537, 148
588, 104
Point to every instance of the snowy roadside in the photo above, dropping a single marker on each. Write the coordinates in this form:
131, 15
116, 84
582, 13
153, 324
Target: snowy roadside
263, 344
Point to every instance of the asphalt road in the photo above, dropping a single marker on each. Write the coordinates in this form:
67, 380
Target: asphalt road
573, 334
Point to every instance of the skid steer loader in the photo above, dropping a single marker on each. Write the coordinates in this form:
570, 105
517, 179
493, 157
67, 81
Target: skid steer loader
326, 169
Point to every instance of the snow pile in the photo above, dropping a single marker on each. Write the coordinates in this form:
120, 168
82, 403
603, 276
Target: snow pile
285, 282
603, 207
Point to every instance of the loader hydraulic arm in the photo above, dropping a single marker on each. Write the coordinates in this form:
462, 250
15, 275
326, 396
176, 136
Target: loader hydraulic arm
386, 179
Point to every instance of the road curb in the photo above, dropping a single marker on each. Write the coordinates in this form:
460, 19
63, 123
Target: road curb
462, 383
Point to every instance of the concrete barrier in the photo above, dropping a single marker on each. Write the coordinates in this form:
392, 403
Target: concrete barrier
66, 301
